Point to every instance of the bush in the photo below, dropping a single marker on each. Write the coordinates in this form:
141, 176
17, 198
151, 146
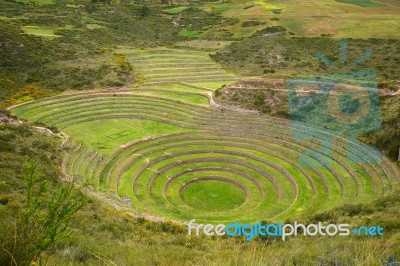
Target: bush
217, 93
252, 23
270, 30
41, 222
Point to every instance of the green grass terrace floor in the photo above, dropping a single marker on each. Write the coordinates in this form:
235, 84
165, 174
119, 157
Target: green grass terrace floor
172, 155
173, 65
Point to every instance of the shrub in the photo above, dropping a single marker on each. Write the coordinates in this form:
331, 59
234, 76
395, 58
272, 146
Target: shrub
270, 30
41, 222
252, 23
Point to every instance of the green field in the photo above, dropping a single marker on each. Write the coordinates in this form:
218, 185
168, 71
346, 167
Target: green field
189, 33
213, 195
341, 19
175, 10
363, 3
38, 2
39, 31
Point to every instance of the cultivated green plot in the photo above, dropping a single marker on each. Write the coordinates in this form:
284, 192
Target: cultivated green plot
40, 31
38, 2
175, 10
187, 98
115, 132
174, 65
213, 195
363, 3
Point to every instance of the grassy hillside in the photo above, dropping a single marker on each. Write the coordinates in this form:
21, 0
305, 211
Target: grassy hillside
126, 240
271, 98
74, 44
266, 96
292, 57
